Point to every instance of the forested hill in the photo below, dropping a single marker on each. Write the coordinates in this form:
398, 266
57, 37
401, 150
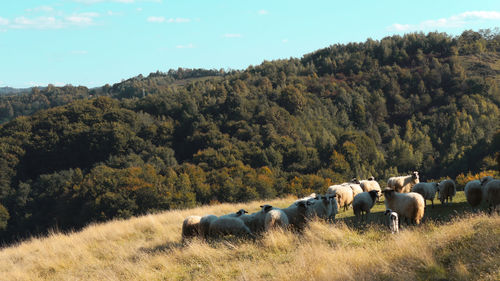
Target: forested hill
426, 102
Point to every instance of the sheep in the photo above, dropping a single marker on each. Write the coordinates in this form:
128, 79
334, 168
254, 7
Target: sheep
393, 220
369, 185
275, 218
408, 205
363, 202
403, 184
492, 198
296, 214
427, 190
473, 193
205, 225
256, 221
356, 189
446, 190
191, 227
228, 226
321, 207
343, 193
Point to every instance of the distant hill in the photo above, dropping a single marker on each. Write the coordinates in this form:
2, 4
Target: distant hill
10, 91
426, 102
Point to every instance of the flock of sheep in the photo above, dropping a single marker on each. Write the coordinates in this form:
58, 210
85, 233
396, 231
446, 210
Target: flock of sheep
405, 198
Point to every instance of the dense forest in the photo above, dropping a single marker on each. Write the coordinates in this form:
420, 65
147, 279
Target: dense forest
73, 155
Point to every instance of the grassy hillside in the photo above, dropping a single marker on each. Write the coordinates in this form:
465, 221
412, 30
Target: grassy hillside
450, 244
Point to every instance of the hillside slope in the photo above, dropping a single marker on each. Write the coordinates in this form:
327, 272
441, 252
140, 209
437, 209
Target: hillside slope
149, 248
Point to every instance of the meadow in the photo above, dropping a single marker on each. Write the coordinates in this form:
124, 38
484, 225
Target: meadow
451, 244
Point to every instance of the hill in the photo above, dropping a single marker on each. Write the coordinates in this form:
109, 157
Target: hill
451, 244
426, 102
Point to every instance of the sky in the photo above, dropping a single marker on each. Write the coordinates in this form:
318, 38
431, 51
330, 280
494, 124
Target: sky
95, 42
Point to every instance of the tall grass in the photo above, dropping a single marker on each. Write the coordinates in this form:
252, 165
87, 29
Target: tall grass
458, 246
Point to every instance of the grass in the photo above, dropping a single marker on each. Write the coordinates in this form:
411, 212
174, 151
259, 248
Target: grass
451, 244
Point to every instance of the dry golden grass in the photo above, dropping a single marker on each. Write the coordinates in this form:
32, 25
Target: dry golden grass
150, 248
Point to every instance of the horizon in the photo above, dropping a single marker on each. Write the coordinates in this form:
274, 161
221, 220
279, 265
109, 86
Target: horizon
96, 42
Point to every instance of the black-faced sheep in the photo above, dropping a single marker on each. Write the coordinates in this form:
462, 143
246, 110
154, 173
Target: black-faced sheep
446, 190
363, 203
408, 205
403, 184
321, 207
296, 214
427, 190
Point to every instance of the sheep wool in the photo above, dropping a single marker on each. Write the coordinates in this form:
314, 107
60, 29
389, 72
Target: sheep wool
363, 203
473, 193
408, 205
427, 190
446, 191
276, 218
191, 227
403, 184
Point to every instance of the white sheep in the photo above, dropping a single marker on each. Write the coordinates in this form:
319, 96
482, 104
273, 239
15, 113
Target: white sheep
369, 185
356, 189
446, 190
275, 218
343, 193
321, 207
403, 184
363, 202
393, 220
256, 221
205, 225
191, 227
473, 193
408, 205
296, 214
427, 190
228, 226
492, 194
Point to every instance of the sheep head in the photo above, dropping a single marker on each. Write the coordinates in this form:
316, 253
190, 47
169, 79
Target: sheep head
266, 208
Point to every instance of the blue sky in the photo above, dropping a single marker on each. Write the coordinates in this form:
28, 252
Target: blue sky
94, 42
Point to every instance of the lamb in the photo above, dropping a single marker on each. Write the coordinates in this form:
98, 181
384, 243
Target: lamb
393, 220
275, 218
369, 185
191, 227
403, 184
228, 226
492, 198
446, 190
408, 205
473, 193
343, 193
427, 190
363, 202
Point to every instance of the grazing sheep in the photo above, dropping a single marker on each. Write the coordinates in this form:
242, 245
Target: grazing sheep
228, 226
403, 184
191, 227
363, 202
296, 214
427, 190
320, 207
408, 205
446, 190
492, 195
393, 220
473, 193
256, 221
275, 218
343, 193
205, 225
369, 185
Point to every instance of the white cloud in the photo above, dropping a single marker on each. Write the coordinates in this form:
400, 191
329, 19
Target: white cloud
263, 12
3, 21
52, 22
188, 46
284, 40
139, 9
178, 20
156, 19
459, 20
232, 35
